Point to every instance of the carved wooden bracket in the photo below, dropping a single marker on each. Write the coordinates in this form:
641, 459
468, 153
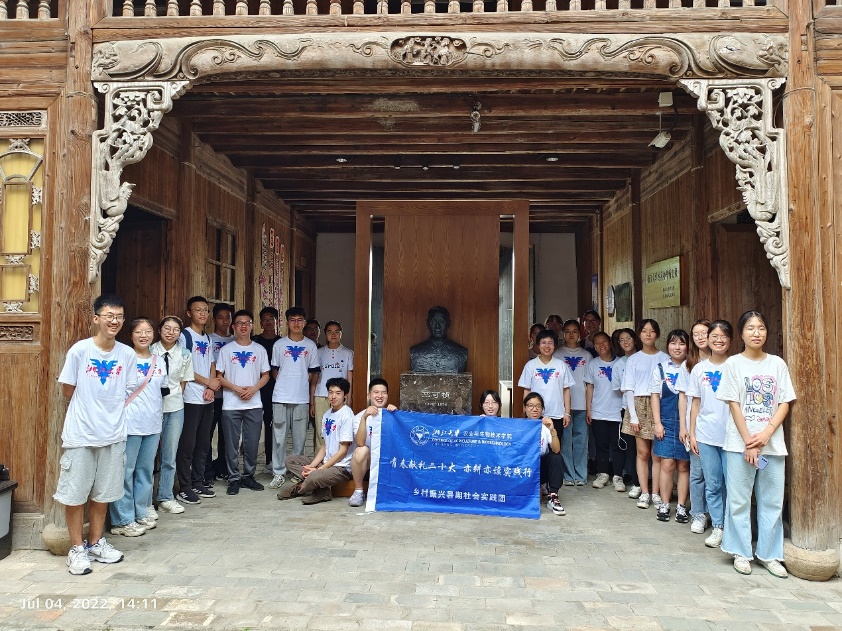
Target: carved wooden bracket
133, 110
741, 110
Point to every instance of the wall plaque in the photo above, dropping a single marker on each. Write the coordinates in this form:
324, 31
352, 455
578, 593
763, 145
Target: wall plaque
662, 284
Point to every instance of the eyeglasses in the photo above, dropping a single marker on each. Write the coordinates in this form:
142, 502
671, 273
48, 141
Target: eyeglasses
241, 323
143, 333
111, 317
170, 329
719, 338
699, 336
296, 320
534, 406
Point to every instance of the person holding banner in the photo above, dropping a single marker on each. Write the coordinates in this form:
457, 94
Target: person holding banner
552, 464
332, 464
550, 377
367, 425
490, 403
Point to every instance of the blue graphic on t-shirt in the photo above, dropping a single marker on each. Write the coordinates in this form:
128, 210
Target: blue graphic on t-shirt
295, 352
606, 372
713, 379
672, 377
144, 368
545, 373
103, 368
574, 362
329, 425
243, 357
202, 347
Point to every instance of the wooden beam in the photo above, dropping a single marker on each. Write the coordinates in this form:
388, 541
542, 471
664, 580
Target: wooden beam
602, 159
637, 250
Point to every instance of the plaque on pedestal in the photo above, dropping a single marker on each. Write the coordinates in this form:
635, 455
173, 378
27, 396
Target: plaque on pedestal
437, 393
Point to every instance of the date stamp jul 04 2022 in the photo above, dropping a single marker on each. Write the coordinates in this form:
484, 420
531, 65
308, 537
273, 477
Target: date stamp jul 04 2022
43, 603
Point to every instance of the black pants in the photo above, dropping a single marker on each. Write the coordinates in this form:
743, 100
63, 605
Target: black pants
219, 466
194, 444
266, 400
610, 456
552, 470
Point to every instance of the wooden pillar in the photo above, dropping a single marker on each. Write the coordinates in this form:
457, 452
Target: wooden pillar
186, 276
251, 236
703, 292
637, 250
520, 314
72, 296
362, 308
814, 549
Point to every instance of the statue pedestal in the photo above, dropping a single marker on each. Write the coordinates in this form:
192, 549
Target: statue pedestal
437, 393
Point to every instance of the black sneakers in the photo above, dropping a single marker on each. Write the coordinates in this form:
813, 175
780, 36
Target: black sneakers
663, 513
233, 487
189, 496
202, 491
250, 483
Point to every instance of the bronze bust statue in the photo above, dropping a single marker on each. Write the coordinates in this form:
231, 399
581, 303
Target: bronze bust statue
438, 354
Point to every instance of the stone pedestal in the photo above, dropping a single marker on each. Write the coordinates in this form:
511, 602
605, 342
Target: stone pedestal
437, 393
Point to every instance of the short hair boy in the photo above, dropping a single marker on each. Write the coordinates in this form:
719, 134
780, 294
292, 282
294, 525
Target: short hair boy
335, 360
367, 425
97, 373
332, 463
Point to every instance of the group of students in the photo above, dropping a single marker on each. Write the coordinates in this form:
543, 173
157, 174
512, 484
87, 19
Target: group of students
697, 414
127, 404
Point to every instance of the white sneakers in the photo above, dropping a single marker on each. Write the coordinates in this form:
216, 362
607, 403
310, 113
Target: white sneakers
699, 524
644, 500
715, 538
77, 561
775, 568
132, 529
656, 499
104, 552
742, 565
171, 506
619, 485
277, 482
600, 481
151, 513
148, 523
357, 498
634, 492
79, 557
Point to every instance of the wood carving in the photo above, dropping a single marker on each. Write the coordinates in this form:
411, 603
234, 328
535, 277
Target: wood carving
132, 112
15, 333
686, 55
741, 110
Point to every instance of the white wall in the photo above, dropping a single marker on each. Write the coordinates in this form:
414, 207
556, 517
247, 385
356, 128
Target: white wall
555, 278
335, 282
555, 275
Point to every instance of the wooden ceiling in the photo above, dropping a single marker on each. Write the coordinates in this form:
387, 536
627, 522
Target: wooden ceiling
568, 145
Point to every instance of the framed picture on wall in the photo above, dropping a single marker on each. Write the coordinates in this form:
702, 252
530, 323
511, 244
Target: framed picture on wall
623, 302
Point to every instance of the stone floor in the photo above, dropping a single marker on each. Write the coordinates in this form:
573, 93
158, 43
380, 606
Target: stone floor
253, 562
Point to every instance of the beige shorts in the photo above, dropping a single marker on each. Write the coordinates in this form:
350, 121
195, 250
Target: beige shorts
643, 407
95, 473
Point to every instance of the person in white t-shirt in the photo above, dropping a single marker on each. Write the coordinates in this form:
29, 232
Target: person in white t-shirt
550, 377
217, 468
194, 443
626, 343
367, 426
552, 464
97, 376
574, 441
335, 360
709, 418
638, 420
603, 408
758, 390
332, 463
144, 419
295, 368
243, 368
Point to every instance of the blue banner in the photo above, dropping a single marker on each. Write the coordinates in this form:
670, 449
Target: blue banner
456, 464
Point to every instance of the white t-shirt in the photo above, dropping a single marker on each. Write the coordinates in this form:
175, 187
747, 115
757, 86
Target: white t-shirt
607, 402
681, 386
714, 416
671, 371
96, 412
549, 380
637, 375
759, 387
145, 414
218, 342
242, 366
202, 353
617, 375
577, 361
334, 362
294, 361
338, 427
374, 424
546, 439
181, 369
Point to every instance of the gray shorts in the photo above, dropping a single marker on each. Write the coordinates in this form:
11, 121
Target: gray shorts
91, 472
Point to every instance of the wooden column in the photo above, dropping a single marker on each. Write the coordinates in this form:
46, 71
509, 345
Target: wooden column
520, 315
186, 277
813, 422
72, 295
704, 296
250, 239
637, 250
362, 308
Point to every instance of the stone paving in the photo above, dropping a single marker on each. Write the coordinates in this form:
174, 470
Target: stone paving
253, 562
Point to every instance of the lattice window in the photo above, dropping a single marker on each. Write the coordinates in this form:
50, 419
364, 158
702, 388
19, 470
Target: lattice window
222, 256
21, 217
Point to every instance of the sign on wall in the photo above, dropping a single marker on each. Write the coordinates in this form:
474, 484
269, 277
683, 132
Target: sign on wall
662, 284
455, 464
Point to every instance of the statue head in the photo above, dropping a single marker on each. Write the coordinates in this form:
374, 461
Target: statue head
438, 322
